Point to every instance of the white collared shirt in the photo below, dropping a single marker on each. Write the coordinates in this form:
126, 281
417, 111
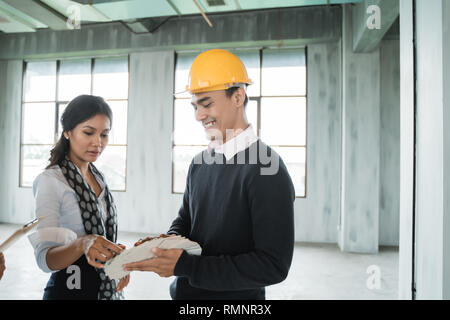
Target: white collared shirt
55, 199
235, 145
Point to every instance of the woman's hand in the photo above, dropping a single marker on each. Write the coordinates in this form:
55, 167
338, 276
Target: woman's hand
96, 247
123, 283
2, 264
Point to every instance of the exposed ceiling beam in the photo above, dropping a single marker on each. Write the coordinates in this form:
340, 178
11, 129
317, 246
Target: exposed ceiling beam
11, 23
174, 7
371, 20
136, 26
72, 9
40, 12
95, 1
145, 25
313, 25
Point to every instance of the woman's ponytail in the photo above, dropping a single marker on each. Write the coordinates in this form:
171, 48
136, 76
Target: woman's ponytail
59, 151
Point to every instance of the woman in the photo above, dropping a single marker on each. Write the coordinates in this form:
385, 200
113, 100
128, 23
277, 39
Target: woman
80, 229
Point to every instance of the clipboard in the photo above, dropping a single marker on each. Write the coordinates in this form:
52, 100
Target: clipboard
19, 233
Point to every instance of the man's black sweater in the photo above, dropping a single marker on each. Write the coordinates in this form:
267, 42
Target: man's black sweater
244, 222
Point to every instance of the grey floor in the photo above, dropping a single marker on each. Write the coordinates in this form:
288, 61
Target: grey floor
318, 271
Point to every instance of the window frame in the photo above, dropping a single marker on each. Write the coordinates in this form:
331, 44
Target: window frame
258, 111
57, 104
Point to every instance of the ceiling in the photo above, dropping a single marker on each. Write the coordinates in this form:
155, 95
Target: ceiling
139, 15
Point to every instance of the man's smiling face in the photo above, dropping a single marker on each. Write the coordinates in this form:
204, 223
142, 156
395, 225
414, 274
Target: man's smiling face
216, 112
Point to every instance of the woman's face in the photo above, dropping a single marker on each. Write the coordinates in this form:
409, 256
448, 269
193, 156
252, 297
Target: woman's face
89, 138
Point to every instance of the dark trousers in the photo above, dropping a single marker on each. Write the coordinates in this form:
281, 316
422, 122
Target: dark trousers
80, 281
180, 289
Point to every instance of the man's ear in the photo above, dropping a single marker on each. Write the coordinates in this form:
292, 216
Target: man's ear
238, 97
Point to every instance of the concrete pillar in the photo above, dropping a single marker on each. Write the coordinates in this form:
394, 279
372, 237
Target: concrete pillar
13, 207
446, 146
406, 149
389, 142
360, 145
432, 252
365, 39
148, 205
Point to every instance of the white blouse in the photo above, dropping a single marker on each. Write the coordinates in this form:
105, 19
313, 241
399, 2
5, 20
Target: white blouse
55, 199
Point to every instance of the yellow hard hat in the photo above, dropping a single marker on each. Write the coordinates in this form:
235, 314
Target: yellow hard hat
216, 69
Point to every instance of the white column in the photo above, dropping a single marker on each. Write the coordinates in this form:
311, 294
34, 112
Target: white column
360, 145
433, 150
406, 148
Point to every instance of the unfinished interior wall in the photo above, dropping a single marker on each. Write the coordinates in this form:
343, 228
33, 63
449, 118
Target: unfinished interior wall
148, 204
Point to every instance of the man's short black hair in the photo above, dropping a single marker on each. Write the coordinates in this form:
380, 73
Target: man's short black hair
229, 92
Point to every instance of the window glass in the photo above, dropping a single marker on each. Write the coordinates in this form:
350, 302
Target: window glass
187, 129
283, 121
112, 163
250, 59
74, 79
295, 160
182, 66
252, 113
277, 110
40, 81
182, 157
111, 78
38, 123
47, 91
283, 72
34, 160
118, 134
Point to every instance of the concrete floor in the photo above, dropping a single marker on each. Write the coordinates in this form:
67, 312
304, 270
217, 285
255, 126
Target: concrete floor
318, 271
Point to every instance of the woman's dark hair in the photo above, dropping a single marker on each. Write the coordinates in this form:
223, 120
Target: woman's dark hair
77, 111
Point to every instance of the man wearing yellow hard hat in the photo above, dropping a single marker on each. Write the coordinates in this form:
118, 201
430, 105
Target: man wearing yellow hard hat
241, 215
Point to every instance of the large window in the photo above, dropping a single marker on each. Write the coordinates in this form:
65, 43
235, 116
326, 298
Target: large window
276, 110
47, 89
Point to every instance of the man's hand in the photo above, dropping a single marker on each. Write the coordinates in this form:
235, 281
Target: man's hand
141, 241
125, 280
163, 264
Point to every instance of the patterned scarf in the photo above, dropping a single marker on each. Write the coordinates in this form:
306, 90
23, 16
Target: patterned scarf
92, 219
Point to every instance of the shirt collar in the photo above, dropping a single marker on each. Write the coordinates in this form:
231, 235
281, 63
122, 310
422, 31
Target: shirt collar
235, 145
